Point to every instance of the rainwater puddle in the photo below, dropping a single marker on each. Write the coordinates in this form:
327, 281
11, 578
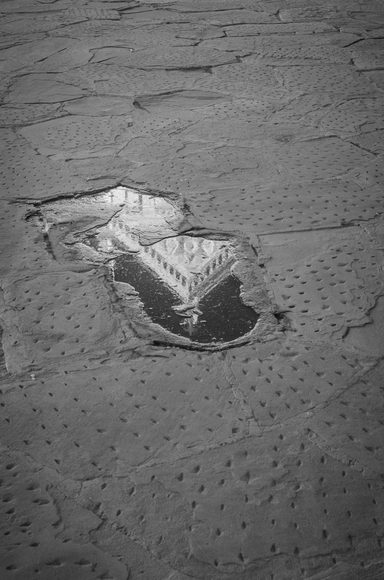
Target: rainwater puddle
185, 283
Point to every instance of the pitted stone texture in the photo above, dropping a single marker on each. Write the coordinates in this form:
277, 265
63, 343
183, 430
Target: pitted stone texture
193, 99
296, 55
24, 114
353, 422
113, 419
78, 136
226, 17
214, 5
259, 210
372, 141
225, 166
39, 88
270, 503
25, 54
91, 13
77, 54
280, 28
92, 29
27, 25
262, 78
101, 107
368, 54
355, 116
113, 80
25, 174
335, 79
371, 174
53, 316
289, 381
326, 282
310, 160
309, 13
376, 78
147, 59
34, 539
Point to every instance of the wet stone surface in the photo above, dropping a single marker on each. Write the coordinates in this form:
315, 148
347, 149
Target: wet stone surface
227, 156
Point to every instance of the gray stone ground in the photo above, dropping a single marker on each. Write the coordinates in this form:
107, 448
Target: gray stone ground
121, 459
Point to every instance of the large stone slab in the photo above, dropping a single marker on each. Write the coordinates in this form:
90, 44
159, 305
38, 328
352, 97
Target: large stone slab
353, 423
53, 316
35, 538
339, 79
39, 88
326, 280
78, 135
27, 175
272, 503
114, 418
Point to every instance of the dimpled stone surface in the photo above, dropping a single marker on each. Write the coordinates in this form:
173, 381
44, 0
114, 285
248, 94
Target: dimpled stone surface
125, 452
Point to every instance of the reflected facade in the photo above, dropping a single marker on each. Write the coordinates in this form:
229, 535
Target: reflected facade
185, 283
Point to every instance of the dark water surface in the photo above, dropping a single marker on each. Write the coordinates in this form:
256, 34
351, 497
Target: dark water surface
223, 315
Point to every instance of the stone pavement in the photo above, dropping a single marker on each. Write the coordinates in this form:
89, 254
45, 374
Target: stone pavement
121, 459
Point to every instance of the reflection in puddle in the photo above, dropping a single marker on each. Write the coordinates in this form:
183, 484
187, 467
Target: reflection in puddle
185, 283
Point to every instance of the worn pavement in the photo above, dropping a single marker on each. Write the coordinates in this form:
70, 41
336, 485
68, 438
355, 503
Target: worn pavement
122, 459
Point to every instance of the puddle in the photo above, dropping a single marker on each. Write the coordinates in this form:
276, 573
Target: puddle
185, 283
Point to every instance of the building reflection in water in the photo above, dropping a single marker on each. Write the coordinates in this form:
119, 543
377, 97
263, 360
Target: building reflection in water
191, 267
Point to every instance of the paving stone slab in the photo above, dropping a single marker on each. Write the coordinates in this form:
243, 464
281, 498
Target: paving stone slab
224, 166
295, 55
371, 174
244, 16
26, 174
103, 172
93, 29
28, 53
368, 54
280, 28
78, 135
34, 541
216, 5
372, 141
115, 81
78, 54
310, 13
291, 380
272, 503
327, 79
12, 7
354, 116
23, 115
114, 418
184, 58
40, 88
92, 13
376, 78
310, 160
353, 422
64, 314
297, 206
24, 25
101, 106
7, 41
330, 281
